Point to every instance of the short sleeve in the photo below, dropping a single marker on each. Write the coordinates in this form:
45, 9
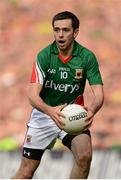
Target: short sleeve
39, 69
93, 72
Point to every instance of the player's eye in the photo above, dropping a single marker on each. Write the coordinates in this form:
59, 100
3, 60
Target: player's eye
56, 29
66, 29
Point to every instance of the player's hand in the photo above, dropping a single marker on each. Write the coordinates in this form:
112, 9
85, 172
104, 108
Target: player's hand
55, 114
89, 119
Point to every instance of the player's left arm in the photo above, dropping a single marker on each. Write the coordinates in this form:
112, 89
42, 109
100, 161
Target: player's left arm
98, 98
96, 104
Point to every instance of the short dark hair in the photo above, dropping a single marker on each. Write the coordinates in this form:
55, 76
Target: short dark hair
66, 15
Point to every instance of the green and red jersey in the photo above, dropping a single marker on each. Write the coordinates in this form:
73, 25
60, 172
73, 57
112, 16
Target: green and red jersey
64, 80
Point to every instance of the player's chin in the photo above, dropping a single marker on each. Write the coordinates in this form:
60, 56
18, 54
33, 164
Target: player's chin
61, 46
62, 49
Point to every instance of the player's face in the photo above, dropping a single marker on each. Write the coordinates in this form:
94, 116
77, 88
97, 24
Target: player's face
64, 34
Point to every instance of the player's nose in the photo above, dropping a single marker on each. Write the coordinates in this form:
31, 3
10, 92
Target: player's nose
60, 33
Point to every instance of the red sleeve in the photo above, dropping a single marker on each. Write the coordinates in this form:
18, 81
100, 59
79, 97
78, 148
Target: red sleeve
34, 75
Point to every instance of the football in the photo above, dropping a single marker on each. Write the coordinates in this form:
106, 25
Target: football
75, 116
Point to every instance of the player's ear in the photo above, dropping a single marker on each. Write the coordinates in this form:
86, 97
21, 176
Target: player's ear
76, 31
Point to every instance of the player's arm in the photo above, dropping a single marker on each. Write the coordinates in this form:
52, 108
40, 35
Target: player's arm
98, 98
37, 102
96, 104
96, 84
33, 95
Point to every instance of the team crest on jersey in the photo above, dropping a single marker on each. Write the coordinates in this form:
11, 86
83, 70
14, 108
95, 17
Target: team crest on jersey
78, 73
28, 138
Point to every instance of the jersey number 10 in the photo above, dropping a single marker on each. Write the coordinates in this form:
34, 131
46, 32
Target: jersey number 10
64, 75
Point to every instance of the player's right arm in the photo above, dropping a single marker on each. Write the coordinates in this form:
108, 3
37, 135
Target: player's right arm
37, 102
39, 74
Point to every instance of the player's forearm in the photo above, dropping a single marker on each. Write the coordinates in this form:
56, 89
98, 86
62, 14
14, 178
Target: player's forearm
39, 104
96, 104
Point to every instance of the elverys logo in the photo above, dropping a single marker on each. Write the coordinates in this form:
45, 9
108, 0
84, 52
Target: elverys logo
62, 87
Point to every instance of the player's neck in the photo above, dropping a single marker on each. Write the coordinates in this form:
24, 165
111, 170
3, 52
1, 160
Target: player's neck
66, 52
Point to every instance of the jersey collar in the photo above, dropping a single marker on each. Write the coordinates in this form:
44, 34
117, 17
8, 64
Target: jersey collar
75, 51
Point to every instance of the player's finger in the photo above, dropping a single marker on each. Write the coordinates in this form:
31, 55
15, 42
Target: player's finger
88, 120
59, 122
60, 125
88, 124
61, 114
86, 108
63, 106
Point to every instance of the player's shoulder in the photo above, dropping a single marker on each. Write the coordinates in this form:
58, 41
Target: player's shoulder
44, 52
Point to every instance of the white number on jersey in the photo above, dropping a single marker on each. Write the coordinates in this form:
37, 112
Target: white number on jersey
64, 75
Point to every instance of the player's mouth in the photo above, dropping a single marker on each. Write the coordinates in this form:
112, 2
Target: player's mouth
61, 42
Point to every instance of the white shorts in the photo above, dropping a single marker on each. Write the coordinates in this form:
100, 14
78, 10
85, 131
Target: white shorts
42, 131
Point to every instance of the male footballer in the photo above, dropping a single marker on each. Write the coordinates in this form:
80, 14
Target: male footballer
58, 78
